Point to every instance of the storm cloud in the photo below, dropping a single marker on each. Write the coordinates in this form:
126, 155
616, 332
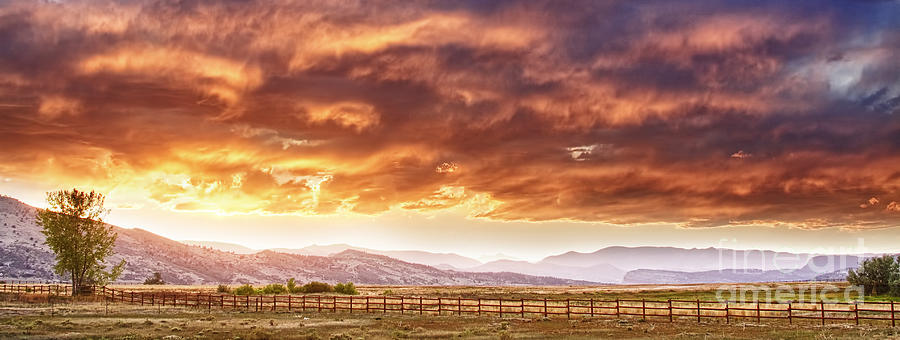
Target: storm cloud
700, 114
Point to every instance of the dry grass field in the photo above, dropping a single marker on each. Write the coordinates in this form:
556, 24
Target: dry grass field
788, 291
35, 319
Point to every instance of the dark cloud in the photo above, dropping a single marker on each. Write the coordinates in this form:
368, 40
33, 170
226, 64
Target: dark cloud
614, 111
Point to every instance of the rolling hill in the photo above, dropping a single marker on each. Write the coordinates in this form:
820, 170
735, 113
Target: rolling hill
25, 256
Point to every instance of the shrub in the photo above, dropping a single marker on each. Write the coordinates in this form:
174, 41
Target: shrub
223, 289
244, 290
877, 275
275, 288
346, 288
155, 279
317, 287
292, 286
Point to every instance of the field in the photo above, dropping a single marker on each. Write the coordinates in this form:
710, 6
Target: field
32, 317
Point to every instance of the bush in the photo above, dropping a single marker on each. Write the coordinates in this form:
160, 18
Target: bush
275, 288
292, 286
877, 275
155, 279
223, 289
245, 290
346, 288
317, 287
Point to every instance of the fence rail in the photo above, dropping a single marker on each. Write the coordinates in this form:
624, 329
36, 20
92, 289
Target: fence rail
662, 310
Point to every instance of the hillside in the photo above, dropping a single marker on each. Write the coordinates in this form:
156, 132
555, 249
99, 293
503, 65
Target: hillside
599, 273
414, 256
680, 259
25, 256
823, 267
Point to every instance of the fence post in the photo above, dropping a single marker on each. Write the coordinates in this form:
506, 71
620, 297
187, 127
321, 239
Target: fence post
758, 317
440, 306
501, 308
545, 306
856, 312
274, 303
644, 309
617, 308
670, 310
459, 306
367, 304
384, 305
698, 310
479, 306
522, 306
790, 314
420, 305
822, 305
592, 307
727, 316
318, 303
402, 306
568, 311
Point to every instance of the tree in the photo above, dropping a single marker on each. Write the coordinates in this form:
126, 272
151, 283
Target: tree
76, 233
317, 287
292, 286
345, 288
877, 275
156, 279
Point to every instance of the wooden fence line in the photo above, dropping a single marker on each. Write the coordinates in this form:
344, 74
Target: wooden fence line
666, 310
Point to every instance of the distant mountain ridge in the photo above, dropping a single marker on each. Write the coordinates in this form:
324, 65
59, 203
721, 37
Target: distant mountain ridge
819, 267
25, 256
445, 260
22, 254
681, 259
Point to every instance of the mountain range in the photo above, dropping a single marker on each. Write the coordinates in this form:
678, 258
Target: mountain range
23, 255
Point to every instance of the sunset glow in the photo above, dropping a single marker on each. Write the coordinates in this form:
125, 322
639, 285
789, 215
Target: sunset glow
526, 128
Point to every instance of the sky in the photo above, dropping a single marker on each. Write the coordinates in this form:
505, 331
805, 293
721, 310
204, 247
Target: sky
527, 128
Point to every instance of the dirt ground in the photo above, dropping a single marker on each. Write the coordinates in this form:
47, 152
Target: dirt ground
91, 320
34, 318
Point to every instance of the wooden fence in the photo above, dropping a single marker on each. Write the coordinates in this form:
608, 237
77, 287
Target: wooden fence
41, 289
667, 310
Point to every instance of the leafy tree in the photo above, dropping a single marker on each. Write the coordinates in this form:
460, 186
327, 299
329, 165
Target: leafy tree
246, 289
317, 287
76, 233
292, 286
877, 275
156, 279
345, 288
274, 288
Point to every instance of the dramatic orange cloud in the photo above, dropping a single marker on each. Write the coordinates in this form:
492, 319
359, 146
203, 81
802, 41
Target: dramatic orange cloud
701, 115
